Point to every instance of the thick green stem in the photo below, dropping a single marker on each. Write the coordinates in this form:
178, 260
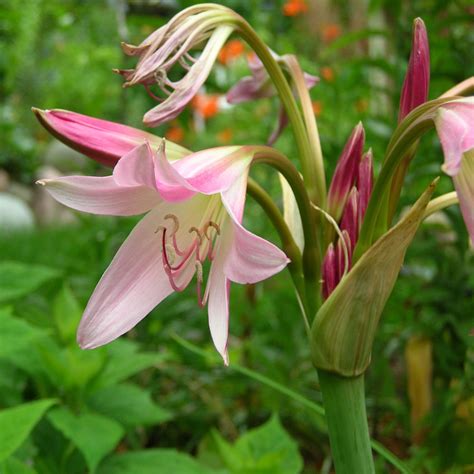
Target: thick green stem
344, 403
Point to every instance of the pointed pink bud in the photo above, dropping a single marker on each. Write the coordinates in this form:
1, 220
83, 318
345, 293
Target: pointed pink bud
365, 182
329, 271
100, 140
345, 174
350, 221
341, 257
417, 79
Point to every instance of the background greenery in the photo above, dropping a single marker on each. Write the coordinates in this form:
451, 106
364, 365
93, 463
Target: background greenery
147, 403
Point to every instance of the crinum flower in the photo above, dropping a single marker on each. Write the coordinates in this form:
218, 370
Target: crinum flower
194, 212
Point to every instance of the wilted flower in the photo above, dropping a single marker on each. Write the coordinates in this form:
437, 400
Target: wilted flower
260, 86
194, 212
455, 126
172, 45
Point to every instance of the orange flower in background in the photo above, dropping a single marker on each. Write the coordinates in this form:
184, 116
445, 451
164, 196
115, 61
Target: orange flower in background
206, 105
231, 51
317, 107
225, 136
327, 73
330, 32
294, 7
175, 134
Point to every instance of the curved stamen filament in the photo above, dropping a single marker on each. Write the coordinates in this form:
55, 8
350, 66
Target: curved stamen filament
210, 253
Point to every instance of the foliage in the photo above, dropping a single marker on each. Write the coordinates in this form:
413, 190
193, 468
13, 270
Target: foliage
145, 403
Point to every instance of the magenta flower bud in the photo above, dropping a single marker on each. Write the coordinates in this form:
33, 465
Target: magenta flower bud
98, 139
365, 182
329, 271
417, 79
346, 171
350, 221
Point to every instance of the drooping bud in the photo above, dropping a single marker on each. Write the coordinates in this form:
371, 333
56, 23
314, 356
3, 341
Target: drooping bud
103, 141
350, 221
365, 182
346, 171
417, 79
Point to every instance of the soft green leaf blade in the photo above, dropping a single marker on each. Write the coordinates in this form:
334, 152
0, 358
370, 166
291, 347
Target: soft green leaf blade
125, 361
153, 461
18, 279
269, 449
15, 334
344, 327
94, 435
14, 466
129, 404
67, 314
16, 424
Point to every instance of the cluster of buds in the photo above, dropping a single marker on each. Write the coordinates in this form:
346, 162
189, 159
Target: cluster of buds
349, 195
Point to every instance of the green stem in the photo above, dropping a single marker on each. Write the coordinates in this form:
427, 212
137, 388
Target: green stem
289, 245
311, 252
344, 403
440, 203
310, 172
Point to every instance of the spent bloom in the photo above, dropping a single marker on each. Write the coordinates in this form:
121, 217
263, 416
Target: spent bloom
455, 126
259, 86
172, 45
194, 212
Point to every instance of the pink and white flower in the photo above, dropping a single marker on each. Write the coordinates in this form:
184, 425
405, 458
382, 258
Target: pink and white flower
194, 212
455, 126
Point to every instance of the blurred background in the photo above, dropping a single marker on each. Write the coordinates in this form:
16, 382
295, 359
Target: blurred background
149, 402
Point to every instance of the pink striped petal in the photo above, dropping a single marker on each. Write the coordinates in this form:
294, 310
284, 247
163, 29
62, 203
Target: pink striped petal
464, 184
218, 306
131, 287
101, 195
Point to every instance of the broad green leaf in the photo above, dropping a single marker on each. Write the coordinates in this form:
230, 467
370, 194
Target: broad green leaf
125, 361
18, 279
94, 435
267, 449
15, 334
153, 461
344, 328
14, 466
129, 405
67, 313
16, 424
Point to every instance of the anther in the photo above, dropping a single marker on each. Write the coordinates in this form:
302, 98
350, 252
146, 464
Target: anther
198, 233
214, 226
175, 221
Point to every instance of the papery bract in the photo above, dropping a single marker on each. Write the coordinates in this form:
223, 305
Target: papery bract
195, 208
455, 126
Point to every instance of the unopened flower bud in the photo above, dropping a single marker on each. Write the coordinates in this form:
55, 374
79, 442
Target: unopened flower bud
345, 174
329, 271
417, 79
103, 141
350, 221
365, 182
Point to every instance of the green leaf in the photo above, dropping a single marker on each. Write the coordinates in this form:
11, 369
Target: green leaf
18, 279
125, 361
344, 327
67, 313
14, 466
129, 405
15, 335
16, 424
153, 461
94, 435
267, 449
